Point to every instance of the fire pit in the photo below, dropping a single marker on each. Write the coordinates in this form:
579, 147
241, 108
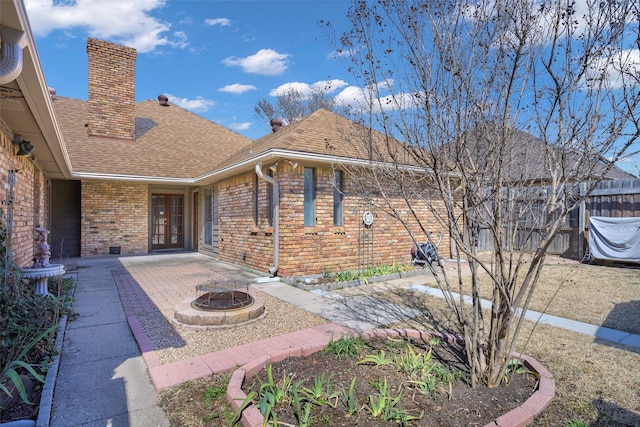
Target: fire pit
220, 304
222, 295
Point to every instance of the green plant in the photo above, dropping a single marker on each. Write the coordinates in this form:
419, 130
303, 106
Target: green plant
10, 370
346, 276
377, 404
515, 366
410, 362
347, 346
373, 271
213, 393
349, 398
379, 359
434, 341
266, 405
301, 406
321, 393
245, 403
277, 390
576, 423
271, 393
383, 405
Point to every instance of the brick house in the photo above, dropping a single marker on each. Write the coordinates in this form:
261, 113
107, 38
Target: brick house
150, 176
115, 176
27, 120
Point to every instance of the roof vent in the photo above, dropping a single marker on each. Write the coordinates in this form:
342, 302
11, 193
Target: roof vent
276, 124
163, 100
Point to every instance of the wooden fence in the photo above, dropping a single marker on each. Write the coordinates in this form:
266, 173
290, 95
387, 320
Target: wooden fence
616, 198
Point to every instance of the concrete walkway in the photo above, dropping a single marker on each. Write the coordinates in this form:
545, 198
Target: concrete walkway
109, 374
102, 378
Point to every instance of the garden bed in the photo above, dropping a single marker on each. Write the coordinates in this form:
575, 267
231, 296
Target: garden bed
373, 389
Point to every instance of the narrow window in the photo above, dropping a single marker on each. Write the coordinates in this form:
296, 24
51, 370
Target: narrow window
337, 198
208, 216
256, 198
270, 196
309, 196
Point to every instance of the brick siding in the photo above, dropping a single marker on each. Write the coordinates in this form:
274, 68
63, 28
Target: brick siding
28, 200
114, 214
306, 250
111, 89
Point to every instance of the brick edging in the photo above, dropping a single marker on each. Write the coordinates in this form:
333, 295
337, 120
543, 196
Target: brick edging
520, 416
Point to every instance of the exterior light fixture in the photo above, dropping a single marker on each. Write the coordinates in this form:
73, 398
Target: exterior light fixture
25, 148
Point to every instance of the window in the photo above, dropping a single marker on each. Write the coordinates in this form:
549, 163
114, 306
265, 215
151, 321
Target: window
270, 198
256, 199
337, 198
208, 216
309, 196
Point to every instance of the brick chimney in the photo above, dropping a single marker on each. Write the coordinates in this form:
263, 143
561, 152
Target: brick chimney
111, 90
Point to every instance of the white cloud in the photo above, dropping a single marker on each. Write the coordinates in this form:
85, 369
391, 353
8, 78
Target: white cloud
180, 40
240, 126
197, 105
267, 62
237, 88
365, 99
353, 97
126, 22
306, 89
342, 53
222, 22
619, 70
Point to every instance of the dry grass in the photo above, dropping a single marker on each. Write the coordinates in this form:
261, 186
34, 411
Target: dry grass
600, 295
597, 382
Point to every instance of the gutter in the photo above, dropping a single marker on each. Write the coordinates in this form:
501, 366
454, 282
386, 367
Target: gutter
227, 171
276, 217
11, 62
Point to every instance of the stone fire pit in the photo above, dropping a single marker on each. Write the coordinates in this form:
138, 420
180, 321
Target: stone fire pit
220, 304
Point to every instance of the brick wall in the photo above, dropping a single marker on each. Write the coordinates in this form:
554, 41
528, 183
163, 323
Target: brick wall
27, 202
329, 248
111, 89
305, 250
241, 242
114, 214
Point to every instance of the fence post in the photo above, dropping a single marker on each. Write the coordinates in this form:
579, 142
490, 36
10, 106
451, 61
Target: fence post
582, 220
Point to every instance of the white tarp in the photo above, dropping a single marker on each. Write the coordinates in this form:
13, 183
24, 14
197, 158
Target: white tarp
615, 239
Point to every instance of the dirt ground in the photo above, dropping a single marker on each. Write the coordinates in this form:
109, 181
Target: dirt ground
597, 382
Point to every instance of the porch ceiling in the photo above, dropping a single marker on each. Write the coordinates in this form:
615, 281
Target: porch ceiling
25, 106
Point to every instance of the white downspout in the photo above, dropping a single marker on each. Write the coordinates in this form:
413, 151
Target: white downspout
11, 62
276, 217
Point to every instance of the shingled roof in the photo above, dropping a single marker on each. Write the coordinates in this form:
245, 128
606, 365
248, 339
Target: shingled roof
170, 143
525, 156
323, 136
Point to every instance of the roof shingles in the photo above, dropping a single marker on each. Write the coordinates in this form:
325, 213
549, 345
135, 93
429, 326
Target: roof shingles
170, 142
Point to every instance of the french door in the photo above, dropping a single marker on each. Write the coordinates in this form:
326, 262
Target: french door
167, 221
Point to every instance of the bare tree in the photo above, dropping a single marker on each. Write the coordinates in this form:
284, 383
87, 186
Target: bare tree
503, 108
293, 104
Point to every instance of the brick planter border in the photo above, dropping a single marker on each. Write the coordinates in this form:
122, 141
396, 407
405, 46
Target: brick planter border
520, 416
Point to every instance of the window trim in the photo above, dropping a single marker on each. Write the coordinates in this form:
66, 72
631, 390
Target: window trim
338, 198
309, 197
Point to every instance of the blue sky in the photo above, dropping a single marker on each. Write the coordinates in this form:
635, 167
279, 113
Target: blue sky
214, 58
